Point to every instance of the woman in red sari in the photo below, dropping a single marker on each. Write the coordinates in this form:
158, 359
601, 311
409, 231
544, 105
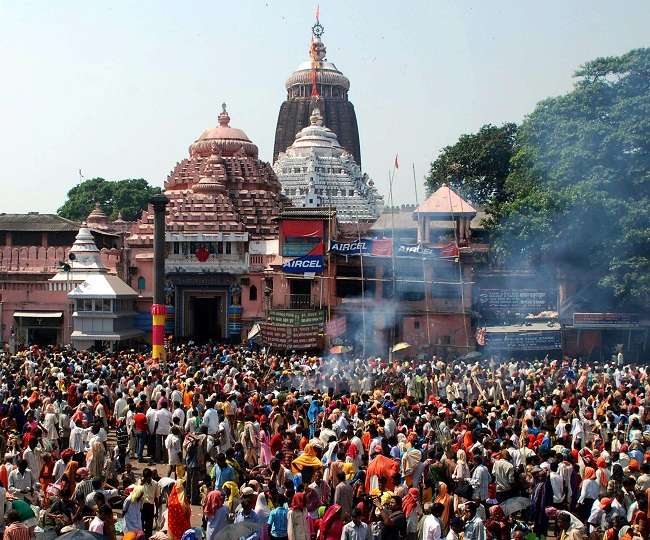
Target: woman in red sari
331, 524
178, 511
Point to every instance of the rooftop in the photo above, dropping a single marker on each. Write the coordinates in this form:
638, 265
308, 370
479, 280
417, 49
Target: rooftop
35, 222
445, 202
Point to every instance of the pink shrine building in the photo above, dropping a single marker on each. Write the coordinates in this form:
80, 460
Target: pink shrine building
221, 235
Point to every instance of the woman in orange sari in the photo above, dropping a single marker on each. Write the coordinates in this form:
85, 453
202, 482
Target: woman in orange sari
444, 498
178, 511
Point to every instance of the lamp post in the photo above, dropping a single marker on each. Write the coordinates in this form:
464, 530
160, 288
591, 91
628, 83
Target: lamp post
158, 308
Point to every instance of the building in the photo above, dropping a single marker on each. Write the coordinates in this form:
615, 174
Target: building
315, 171
33, 248
103, 304
317, 81
221, 234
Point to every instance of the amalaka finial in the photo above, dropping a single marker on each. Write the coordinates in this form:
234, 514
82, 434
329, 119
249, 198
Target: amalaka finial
224, 118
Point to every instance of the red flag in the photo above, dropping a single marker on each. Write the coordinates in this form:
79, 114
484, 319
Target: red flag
396, 162
450, 250
317, 12
382, 248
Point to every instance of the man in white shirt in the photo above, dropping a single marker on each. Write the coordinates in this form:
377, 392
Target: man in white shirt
21, 481
161, 429
356, 529
211, 419
557, 483
151, 426
120, 407
504, 475
431, 529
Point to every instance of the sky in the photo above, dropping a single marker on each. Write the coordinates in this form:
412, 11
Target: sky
121, 89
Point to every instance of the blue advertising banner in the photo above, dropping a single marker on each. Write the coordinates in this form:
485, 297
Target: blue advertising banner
351, 248
305, 264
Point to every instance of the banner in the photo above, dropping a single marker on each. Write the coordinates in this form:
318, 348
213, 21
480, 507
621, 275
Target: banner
305, 264
301, 238
510, 299
351, 248
297, 317
524, 341
287, 337
382, 248
604, 320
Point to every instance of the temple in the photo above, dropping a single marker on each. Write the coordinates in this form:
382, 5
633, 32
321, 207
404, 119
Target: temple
221, 227
315, 171
317, 80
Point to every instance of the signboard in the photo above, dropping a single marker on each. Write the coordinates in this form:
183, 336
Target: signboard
512, 299
314, 264
296, 317
523, 341
284, 336
351, 248
605, 320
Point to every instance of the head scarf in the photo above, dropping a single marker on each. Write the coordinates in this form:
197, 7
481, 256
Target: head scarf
298, 501
306, 459
445, 499
328, 518
137, 492
410, 502
213, 501
261, 507
590, 473
234, 493
70, 473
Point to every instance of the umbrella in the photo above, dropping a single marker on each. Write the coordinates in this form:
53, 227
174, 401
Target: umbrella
235, 531
514, 504
339, 349
400, 346
79, 534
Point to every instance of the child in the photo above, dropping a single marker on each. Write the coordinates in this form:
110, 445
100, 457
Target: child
173, 446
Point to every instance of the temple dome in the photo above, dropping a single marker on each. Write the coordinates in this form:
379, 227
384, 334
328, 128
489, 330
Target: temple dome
315, 136
223, 140
326, 72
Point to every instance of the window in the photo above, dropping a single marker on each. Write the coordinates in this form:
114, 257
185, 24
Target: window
252, 293
106, 304
220, 248
141, 283
228, 248
176, 248
87, 304
416, 325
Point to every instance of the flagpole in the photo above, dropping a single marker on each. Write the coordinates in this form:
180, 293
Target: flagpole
392, 220
426, 289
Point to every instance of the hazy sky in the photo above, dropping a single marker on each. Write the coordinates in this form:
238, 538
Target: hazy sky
120, 89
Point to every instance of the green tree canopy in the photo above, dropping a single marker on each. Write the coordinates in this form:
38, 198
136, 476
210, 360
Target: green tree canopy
128, 197
477, 165
578, 195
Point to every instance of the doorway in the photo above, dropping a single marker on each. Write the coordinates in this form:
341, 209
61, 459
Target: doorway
205, 320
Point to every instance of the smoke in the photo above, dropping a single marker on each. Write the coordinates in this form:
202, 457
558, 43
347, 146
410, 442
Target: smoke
377, 319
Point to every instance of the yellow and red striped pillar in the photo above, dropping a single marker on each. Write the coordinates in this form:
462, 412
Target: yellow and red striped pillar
158, 309
158, 315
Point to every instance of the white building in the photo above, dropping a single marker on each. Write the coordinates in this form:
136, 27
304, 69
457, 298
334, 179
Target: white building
316, 171
103, 304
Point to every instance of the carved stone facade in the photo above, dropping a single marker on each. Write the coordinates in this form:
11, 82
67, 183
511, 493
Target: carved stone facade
317, 78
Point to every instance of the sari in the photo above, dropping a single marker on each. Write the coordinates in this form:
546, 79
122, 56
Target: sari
445, 499
306, 459
179, 511
331, 524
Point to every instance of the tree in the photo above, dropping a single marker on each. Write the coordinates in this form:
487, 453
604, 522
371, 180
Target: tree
128, 197
578, 195
477, 165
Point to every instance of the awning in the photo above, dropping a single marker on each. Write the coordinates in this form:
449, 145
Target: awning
117, 336
39, 314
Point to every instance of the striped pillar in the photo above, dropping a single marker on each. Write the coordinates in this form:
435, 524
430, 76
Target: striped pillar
158, 314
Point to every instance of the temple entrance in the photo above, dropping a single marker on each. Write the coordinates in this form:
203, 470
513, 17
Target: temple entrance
205, 318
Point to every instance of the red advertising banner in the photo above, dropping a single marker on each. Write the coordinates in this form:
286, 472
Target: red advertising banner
302, 229
300, 238
382, 248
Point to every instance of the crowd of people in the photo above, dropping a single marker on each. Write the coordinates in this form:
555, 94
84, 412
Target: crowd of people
270, 446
